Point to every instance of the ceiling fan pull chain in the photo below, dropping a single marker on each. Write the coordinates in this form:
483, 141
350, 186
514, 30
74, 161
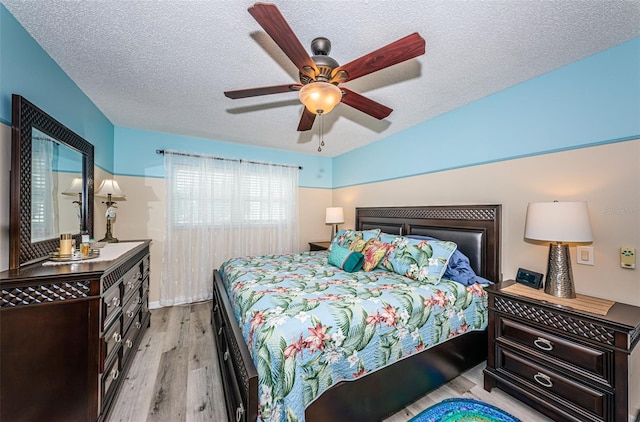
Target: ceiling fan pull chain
320, 132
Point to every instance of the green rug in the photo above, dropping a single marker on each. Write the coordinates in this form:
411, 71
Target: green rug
463, 410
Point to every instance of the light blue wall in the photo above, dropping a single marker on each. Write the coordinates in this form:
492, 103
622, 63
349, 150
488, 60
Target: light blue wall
593, 101
26, 69
135, 152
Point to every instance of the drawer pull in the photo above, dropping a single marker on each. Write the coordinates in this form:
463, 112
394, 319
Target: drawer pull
239, 412
226, 355
543, 344
115, 373
129, 343
115, 301
130, 285
215, 308
130, 314
138, 325
219, 330
117, 337
543, 380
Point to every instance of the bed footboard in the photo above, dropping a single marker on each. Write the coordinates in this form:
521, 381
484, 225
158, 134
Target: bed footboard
238, 373
390, 389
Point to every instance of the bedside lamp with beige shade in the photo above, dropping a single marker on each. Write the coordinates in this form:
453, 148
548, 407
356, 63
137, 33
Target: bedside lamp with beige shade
559, 222
334, 216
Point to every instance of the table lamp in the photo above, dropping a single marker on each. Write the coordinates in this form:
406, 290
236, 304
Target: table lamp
76, 189
558, 222
334, 216
110, 189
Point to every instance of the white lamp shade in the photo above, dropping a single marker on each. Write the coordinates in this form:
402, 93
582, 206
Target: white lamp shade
75, 188
558, 222
320, 97
335, 215
110, 186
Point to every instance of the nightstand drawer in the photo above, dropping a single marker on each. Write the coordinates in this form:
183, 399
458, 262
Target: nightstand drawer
558, 387
592, 360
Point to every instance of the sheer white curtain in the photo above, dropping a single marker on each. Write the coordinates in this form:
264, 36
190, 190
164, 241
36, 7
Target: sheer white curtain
218, 209
44, 201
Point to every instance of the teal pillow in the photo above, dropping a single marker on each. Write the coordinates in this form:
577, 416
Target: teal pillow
345, 259
419, 259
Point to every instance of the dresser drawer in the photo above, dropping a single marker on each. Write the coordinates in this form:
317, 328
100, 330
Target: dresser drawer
108, 382
110, 342
558, 387
573, 354
130, 311
129, 341
111, 305
145, 266
131, 280
144, 287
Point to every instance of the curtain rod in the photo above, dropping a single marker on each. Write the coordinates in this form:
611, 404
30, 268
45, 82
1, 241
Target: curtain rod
186, 154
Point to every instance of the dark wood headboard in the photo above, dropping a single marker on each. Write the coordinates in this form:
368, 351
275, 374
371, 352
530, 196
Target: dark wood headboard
474, 228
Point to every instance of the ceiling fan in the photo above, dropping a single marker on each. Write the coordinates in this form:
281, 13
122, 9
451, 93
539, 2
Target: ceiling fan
321, 74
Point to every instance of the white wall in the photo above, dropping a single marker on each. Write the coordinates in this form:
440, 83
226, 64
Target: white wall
606, 176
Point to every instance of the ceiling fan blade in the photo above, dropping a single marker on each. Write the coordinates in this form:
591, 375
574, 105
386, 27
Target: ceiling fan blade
364, 104
272, 21
399, 51
306, 120
265, 90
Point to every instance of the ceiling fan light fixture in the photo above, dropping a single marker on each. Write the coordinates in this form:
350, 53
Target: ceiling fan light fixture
320, 97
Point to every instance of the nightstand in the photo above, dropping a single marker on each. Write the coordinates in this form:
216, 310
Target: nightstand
570, 365
319, 246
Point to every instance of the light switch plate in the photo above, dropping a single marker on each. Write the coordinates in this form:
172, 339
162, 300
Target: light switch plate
628, 257
585, 255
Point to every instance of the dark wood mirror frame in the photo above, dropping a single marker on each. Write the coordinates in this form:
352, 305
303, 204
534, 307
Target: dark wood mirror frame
24, 117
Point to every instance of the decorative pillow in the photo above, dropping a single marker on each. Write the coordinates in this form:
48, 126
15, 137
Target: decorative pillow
345, 259
373, 252
358, 244
458, 268
419, 259
346, 237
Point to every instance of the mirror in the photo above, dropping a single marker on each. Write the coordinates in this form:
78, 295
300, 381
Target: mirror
51, 175
54, 167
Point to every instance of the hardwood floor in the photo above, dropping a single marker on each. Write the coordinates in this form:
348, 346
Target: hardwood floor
175, 377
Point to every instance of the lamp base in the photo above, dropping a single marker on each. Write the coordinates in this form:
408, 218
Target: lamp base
334, 231
559, 281
108, 237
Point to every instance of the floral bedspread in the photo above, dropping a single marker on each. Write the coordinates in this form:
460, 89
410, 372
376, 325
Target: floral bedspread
309, 325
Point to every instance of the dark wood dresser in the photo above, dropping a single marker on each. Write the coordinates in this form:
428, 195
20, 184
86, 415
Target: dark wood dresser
68, 335
569, 365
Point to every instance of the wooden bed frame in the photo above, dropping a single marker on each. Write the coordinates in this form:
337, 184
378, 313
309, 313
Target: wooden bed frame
476, 230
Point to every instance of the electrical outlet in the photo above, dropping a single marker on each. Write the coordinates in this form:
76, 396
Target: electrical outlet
628, 257
585, 255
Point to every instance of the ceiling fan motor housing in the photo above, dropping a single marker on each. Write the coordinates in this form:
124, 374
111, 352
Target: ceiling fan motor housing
320, 47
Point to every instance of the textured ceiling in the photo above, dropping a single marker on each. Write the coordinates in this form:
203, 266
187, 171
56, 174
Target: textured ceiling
163, 65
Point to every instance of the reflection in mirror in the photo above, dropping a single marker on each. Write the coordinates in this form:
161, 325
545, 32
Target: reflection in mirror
53, 167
